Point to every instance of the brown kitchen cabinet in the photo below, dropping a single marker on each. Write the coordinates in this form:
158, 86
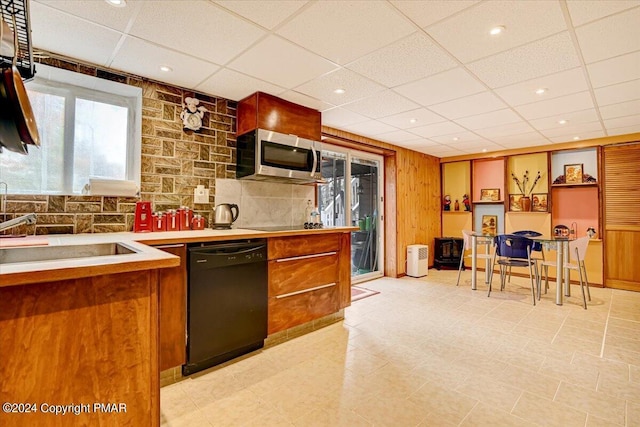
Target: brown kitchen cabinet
308, 278
264, 111
173, 309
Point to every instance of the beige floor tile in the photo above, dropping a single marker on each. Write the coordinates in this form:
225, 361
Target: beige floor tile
190, 419
531, 381
549, 350
599, 404
622, 355
393, 412
619, 388
207, 389
623, 332
324, 417
634, 373
236, 409
581, 333
270, 418
575, 344
491, 392
633, 414
442, 403
607, 367
546, 412
622, 323
624, 343
570, 373
175, 403
484, 415
593, 421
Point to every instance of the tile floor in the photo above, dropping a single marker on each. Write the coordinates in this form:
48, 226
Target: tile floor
424, 352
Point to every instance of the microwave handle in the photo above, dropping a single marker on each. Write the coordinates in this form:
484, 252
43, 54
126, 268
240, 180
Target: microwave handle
315, 161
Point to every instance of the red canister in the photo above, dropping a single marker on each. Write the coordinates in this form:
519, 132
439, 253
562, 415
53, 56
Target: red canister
186, 217
173, 221
197, 223
159, 222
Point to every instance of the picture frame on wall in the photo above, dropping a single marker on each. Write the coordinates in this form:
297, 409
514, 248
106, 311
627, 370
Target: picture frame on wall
490, 224
539, 202
573, 173
490, 194
514, 202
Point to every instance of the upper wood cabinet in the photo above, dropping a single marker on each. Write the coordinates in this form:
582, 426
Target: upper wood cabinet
264, 111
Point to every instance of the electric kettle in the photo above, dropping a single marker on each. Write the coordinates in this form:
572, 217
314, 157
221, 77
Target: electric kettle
225, 215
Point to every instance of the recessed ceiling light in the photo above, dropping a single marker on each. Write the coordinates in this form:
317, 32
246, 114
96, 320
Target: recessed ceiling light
541, 90
165, 68
455, 138
484, 150
339, 91
496, 30
412, 120
117, 3
562, 122
575, 138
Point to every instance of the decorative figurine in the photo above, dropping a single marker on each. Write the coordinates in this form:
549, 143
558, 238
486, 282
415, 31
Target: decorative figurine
591, 232
191, 114
466, 202
446, 204
457, 205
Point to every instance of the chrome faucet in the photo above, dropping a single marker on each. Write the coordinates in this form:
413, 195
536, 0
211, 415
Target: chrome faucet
24, 219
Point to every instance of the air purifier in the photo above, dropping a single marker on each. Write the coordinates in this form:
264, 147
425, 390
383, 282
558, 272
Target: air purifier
417, 260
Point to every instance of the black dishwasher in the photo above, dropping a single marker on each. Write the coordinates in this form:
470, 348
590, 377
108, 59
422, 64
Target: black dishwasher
227, 302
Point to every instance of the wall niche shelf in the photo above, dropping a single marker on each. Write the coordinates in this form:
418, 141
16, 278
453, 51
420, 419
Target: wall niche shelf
488, 202
584, 184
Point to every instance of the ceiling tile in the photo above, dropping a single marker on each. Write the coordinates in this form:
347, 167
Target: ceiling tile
355, 87
621, 92
267, 13
427, 13
522, 140
187, 71
469, 106
569, 131
437, 129
556, 106
369, 128
420, 142
337, 117
345, 30
396, 136
540, 58
50, 30
235, 86
381, 104
457, 138
422, 117
583, 11
419, 57
442, 87
116, 18
624, 130
494, 118
440, 151
505, 130
524, 22
622, 122
558, 84
609, 37
472, 147
265, 61
615, 70
622, 109
307, 101
206, 30
583, 136
584, 116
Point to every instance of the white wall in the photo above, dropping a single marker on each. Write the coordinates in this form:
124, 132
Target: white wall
264, 204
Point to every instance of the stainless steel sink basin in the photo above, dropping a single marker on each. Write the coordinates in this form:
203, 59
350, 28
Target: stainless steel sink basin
52, 253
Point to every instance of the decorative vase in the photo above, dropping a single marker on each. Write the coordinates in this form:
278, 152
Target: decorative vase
525, 203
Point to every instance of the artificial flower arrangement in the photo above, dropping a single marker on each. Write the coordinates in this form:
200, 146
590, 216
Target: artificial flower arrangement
522, 185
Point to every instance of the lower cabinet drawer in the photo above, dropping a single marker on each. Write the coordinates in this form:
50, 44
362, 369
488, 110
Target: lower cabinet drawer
292, 275
288, 311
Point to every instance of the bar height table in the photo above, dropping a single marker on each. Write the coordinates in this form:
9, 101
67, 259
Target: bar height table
561, 245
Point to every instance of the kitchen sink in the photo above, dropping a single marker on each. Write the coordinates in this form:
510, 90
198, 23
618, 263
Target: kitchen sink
52, 253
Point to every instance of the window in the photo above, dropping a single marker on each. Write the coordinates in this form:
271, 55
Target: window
89, 128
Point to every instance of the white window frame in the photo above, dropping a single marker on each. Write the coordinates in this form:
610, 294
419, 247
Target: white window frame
71, 85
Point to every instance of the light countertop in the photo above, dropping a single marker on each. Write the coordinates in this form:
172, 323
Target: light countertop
145, 256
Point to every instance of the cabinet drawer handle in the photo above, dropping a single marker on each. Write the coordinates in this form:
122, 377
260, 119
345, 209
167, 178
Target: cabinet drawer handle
306, 256
290, 294
177, 245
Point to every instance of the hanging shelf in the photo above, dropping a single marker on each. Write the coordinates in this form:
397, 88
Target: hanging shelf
25, 49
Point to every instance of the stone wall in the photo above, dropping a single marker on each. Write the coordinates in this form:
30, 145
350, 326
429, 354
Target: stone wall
173, 162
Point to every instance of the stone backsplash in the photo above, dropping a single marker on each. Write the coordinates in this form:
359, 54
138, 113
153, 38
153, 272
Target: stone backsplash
173, 162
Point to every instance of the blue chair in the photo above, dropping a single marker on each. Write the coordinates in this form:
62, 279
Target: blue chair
537, 247
515, 251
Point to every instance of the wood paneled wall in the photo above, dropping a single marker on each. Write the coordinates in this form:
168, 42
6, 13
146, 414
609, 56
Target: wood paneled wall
412, 196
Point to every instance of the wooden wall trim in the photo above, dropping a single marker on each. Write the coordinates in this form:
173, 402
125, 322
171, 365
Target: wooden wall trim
609, 140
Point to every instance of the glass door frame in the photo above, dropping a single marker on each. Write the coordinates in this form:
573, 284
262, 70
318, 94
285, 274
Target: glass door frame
351, 153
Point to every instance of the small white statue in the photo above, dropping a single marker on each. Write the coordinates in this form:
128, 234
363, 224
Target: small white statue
191, 114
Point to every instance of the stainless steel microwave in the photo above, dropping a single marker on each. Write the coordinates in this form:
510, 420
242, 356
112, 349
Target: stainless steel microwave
271, 156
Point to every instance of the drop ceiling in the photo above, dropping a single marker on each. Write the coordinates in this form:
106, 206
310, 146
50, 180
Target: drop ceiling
426, 75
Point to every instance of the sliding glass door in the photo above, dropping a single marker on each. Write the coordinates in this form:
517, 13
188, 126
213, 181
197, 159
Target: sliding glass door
352, 195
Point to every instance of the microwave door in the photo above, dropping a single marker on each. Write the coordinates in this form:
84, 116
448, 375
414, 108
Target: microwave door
287, 161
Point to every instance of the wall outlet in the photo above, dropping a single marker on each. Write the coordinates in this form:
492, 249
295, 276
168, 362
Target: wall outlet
201, 194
